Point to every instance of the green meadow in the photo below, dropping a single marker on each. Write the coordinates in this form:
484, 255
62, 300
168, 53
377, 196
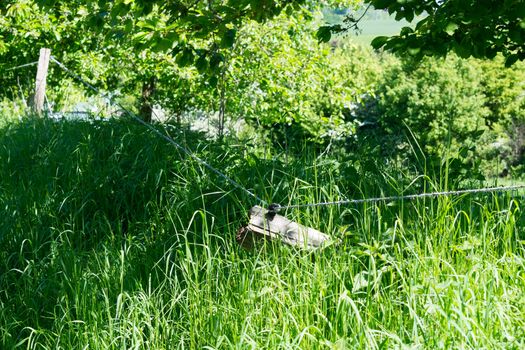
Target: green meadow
112, 239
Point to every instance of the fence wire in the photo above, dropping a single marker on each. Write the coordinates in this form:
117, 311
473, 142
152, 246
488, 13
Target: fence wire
278, 207
23, 66
166, 137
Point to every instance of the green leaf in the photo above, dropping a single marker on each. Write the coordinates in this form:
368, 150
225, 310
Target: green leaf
399, 15
511, 59
405, 31
463, 49
379, 42
381, 4
394, 7
142, 37
324, 34
421, 24
215, 61
201, 64
163, 44
409, 16
228, 38
213, 81
491, 52
451, 28
185, 58
477, 134
516, 35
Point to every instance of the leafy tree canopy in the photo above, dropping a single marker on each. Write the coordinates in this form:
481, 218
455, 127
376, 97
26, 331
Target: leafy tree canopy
195, 31
481, 29
470, 28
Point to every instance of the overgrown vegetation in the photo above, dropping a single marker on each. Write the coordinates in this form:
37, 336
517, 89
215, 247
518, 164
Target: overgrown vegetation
113, 239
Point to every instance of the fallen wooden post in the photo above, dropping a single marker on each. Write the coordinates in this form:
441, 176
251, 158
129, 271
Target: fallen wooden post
267, 225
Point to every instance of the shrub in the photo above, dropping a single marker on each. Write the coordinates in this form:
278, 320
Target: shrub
293, 87
429, 112
505, 99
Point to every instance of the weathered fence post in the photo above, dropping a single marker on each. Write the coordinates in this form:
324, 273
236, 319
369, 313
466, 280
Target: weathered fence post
41, 75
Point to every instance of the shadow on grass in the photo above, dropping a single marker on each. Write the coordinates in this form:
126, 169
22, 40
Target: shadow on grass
79, 196
70, 189
100, 177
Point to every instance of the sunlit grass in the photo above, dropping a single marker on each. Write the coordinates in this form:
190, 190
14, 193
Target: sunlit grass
111, 239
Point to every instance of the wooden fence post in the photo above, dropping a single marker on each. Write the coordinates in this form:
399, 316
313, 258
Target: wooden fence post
41, 75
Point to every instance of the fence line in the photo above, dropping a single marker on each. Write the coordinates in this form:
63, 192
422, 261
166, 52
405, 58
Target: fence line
278, 207
23, 66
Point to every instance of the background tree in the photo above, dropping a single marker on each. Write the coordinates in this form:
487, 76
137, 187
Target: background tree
504, 89
283, 81
107, 52
133, 46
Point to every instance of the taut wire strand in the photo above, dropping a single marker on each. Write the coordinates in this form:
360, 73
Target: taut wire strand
406, 197
23, 66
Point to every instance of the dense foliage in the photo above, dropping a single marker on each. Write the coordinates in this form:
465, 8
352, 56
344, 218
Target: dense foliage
465, 111
481, 29
505, 98
438, 108
110, 238
291, 87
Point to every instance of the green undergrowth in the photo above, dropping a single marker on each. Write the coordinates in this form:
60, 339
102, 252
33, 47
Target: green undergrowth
110, 238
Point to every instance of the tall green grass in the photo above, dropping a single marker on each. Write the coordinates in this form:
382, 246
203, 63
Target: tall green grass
112, 239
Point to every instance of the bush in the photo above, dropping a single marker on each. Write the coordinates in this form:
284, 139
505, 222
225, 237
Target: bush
427, 113
505, 99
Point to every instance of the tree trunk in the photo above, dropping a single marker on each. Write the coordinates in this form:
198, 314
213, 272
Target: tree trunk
146, 103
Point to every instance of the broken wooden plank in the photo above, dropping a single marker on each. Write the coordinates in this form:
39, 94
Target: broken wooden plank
266, 225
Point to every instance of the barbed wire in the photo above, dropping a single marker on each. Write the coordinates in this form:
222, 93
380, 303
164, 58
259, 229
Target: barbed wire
22, 66
278, 207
